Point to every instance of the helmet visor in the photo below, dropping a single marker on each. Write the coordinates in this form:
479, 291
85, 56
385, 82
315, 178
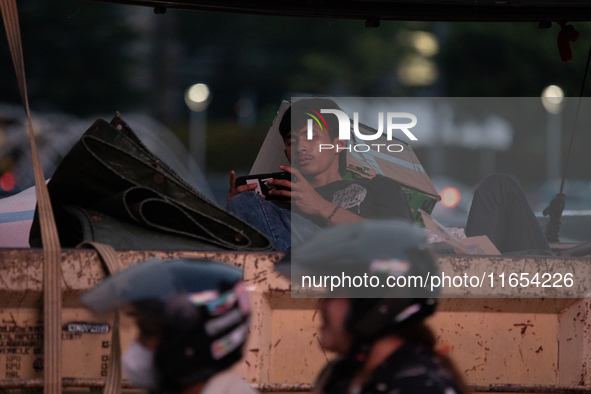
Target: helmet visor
161, 280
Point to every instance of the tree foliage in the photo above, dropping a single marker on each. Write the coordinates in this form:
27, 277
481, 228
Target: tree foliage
75, 57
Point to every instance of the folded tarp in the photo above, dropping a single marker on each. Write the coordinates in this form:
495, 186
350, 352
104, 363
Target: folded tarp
110, 188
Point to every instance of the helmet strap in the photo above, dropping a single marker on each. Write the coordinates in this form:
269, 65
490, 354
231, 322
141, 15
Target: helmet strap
343, 372
359, 353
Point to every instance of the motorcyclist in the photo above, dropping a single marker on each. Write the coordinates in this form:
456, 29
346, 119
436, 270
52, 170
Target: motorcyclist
193, 320
383, 343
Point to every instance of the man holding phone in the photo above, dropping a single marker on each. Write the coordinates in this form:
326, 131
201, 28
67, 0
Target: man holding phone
317, 193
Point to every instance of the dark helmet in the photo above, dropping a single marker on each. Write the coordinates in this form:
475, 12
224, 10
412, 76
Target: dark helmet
377, 248
202, 307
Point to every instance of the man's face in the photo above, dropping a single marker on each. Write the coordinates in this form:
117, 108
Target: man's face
333, 334
307, 156
288, 144
149, 333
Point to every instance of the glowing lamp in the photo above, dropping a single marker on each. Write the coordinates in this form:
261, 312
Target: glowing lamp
197, 97
450, 197
553, 99
7, 182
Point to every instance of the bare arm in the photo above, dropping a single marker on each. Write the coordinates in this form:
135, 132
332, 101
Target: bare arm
340, 216
308, 200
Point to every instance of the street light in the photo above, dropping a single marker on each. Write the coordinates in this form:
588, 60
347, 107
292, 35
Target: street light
418, 69
553, 101
197, 98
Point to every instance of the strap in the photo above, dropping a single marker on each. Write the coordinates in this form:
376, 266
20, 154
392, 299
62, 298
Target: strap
109, 257
572, 135
113, 383
52, 294
554, 210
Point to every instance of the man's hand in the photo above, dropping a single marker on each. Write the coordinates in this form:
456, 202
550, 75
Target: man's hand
302, 194
237, 190
308, 200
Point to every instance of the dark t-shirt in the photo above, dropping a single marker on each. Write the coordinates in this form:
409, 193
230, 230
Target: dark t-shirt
378, 198
409, 370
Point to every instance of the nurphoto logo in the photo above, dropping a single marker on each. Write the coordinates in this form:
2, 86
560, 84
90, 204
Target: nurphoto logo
345, 129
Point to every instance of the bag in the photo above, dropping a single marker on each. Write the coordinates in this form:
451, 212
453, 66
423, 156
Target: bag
111, 189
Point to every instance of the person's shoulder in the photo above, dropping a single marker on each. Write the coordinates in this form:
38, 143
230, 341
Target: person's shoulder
227, 382
420, 371
422, 379
327, 371
344, 183
384, 184
382, 180
361, 181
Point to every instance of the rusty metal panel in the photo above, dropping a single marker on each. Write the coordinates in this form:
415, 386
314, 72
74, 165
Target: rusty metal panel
296, 356
574, 359
501, 345
508, 348
579, 269
506, 305
86, 354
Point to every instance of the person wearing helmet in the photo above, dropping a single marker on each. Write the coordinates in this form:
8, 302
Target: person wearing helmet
193, 320
382, 342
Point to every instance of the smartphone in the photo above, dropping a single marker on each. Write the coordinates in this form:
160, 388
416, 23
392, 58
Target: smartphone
262, 182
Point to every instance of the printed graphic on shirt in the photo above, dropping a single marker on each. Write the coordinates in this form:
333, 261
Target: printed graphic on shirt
350, 197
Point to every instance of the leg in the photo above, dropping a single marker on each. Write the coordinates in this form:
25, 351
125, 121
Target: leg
274, 222
301, 228
501, 211
264, 216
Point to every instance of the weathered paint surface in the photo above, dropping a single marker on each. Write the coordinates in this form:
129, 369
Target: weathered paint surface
551, 276
532, 344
